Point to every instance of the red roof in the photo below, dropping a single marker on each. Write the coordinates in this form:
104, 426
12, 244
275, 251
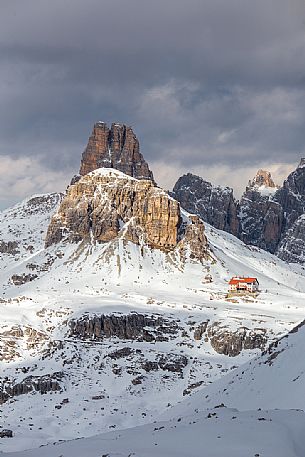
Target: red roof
242, 280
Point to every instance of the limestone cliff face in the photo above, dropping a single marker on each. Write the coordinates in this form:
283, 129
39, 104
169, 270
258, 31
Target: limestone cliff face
133, 326
106, 204
292, 246
256, 219
117, 147
260, 216
266, 216
214, 204
261, 221
291, 196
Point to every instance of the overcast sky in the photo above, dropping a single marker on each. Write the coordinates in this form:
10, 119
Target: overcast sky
216, 87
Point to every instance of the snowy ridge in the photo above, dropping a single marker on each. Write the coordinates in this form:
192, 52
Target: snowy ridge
111, 172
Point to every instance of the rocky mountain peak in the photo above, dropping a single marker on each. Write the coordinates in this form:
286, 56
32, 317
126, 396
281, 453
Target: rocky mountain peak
295, 182
115, 147
262, 178
302, 163
106, 205
214, 204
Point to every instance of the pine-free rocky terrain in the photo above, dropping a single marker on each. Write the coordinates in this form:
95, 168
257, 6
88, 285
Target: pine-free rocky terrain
267, 216
117, 336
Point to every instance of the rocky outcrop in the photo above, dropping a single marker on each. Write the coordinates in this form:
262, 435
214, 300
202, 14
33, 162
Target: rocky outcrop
9, 247
174, 363
117, 147
106, 204
18, 280
43, 203
214, 204
132, 326
14, 340
6, 433
232, 343
42, 384
120, 353
200, 330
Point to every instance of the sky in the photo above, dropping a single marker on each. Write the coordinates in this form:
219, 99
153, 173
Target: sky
215, 87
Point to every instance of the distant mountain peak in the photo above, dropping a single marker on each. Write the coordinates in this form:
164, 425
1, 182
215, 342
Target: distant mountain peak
214, 204
262, 178
302, 163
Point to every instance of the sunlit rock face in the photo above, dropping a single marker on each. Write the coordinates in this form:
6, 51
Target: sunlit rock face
115, 147
106, 204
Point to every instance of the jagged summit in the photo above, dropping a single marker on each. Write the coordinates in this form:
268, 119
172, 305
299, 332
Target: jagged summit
114, 147
267, 216
302, 163
214, 204
262, 178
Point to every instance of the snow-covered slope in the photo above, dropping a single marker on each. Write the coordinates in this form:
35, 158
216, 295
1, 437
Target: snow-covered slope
221, 432
114, 334
23, 227
274, 380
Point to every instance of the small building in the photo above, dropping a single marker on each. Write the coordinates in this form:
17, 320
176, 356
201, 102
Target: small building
243, 284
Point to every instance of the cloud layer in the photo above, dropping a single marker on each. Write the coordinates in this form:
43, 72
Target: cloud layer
215, 86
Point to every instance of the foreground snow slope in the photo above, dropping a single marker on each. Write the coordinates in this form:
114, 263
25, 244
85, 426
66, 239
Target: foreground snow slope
221, 432
274, 380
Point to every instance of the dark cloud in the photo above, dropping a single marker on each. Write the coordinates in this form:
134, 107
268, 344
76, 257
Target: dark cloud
203, 82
